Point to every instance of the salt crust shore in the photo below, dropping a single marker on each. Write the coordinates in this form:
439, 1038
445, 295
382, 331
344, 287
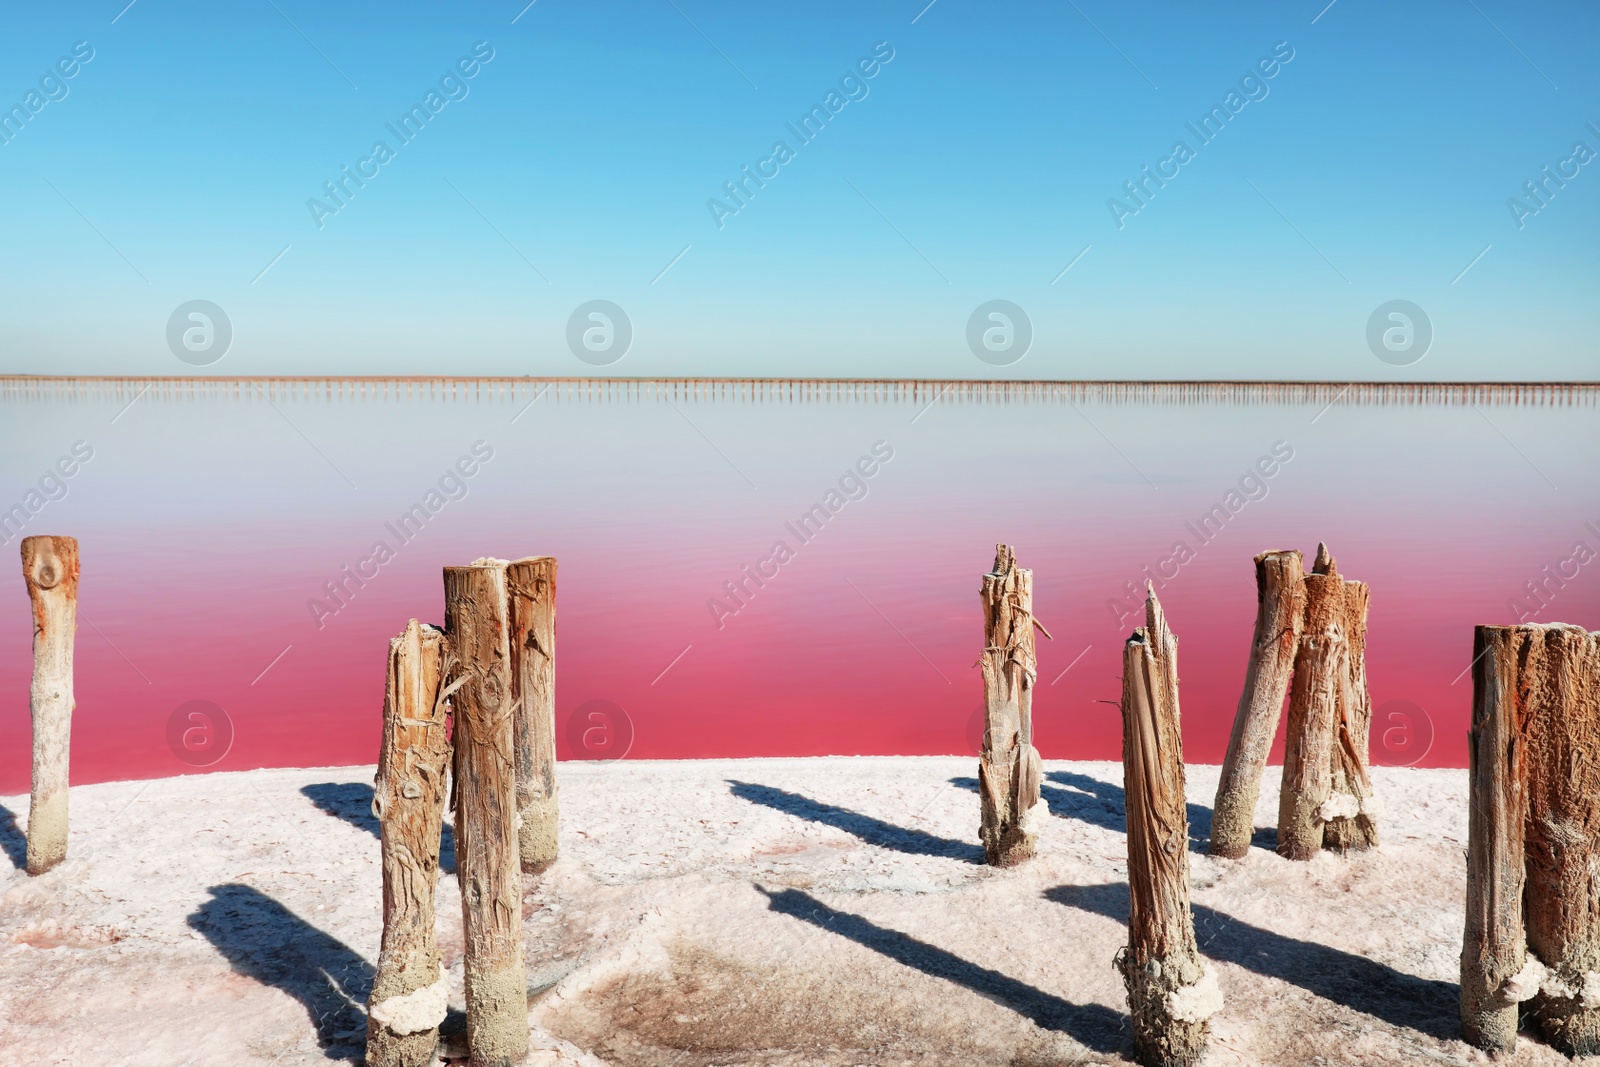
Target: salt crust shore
768, 911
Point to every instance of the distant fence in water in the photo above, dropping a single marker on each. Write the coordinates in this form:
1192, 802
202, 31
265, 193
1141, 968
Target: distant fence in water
799, 390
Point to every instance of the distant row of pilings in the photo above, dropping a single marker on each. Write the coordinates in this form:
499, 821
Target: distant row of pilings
800, 390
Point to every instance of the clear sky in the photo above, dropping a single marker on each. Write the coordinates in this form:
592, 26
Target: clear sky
1370, 153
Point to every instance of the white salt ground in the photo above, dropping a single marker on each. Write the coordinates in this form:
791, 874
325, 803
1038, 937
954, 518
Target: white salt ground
773, 911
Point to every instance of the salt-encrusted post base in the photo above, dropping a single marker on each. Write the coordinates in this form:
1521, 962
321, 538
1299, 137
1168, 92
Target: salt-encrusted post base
1568, 1009
1171, 1003
403, 1031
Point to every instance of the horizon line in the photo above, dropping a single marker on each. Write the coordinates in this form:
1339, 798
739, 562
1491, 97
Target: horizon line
552, 379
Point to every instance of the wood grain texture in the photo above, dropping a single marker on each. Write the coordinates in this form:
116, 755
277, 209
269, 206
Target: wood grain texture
1280, 607
1321, 685
1492, 948
531, 584
1352, 727
50, 569
1009, 770
1560, 691
478, 638
408, 799
1162, 960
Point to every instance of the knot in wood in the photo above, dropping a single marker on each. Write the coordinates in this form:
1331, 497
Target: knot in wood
47, 570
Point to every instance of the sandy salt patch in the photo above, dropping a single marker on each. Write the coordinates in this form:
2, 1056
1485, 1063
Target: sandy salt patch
775, 911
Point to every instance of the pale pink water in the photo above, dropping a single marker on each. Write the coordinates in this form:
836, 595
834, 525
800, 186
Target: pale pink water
208, 525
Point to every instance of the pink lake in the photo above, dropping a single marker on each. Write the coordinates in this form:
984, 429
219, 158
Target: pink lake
215, 517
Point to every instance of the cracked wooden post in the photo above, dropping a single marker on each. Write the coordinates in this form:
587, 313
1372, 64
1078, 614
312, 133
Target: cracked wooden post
1009, 770
1560, 693
1493, 958
1280, 605
1172, 993
1321, 685
50, 569
478, 637
1354, 806
532, 586
410, 992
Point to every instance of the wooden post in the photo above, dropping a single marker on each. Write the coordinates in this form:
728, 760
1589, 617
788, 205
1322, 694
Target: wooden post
50, 568
1280, 605
1493, 958
1009, 770
532, 586
477, 630
1354, 806
410, 992
1560, 690
1321, 685
1172, 994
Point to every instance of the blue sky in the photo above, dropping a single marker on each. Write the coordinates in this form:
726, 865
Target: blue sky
975, 165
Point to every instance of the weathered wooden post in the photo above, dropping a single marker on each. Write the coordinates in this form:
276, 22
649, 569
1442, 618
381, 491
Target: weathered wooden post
1009, 770
1495, 977
410, 991
50, 568
1280, 605
1172, 994
478, 637
1321, 686
1354, 806
1560, 691
532, 586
